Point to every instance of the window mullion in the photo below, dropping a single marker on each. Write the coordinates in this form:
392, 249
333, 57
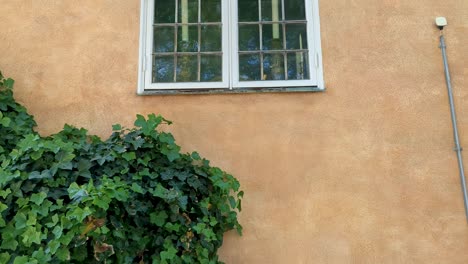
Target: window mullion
199, 42
176, 34
232, 42
285, 57
260, 37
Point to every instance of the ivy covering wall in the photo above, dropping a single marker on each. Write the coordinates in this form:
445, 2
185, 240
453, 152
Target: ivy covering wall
132, 198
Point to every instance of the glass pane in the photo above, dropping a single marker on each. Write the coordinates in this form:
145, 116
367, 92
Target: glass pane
211, 68
187, 39
249, 67
296, 36
294, 9
164, 11
210, 38
271, 10
273, 66
188, 11
268, 42
249, 37
187, 68
247, 10
163, 69
163, 39
298, 66
211, 11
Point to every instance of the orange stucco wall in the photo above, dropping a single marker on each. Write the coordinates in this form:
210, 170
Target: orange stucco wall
361, 173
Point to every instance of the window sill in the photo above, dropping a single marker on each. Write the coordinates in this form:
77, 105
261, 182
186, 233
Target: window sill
233, 91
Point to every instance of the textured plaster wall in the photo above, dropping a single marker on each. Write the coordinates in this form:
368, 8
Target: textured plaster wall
361, 173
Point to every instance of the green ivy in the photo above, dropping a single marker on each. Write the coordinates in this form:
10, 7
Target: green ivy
133, 198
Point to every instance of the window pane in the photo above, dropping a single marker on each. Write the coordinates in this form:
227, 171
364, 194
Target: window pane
211, 68
164, 11
267, 35
298, 66
163, 69
210, 38
273, 66
249, 37
247, 10
271, 10
187, 39
187, 68
211, 11
249, 67
188, 11
296, 36
294, 9
164, 39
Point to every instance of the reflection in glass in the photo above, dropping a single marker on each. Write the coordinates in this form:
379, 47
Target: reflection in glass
164, 40
269, 13
267, 37
247, 10
211, 11
163, 69
164, 11
296, 36
210, 38
273, 66
249, 67
298, 66
211, 68
186, 68
249, 37
294, 9
191, 11
191, 45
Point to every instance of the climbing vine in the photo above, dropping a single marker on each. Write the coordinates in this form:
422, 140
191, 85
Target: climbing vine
132, 198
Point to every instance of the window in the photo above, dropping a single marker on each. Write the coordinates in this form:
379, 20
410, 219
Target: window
236, 44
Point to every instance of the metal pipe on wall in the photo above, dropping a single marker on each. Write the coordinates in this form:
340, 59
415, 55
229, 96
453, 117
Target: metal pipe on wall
441, 22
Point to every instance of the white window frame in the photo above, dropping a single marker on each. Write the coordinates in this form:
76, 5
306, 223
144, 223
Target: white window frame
230, 73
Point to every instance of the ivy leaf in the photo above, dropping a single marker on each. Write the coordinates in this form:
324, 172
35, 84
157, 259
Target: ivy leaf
20, 220
128, 156
183, 200
79, 214
21, 260
171, 152
10, 244
166, 138
4, 257
195, 156
3, 207
167, 175
169, 253
31, 236
8, 83
102, 202
40, 256
52, 246
5, 121
116, 127
63, 254
76, 193
64, 159
158, 218
232, 202
38, 198
57, 231
137, 188
45, 174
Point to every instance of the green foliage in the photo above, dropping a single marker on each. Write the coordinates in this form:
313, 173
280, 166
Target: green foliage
133, 198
